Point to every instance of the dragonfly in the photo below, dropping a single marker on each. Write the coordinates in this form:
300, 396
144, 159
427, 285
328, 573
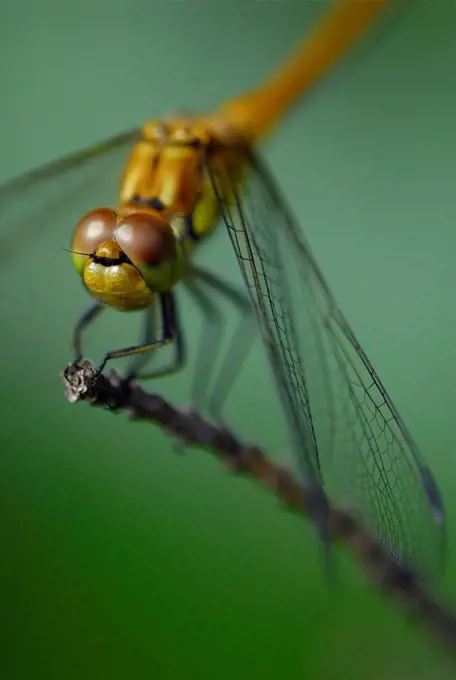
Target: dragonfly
184, 176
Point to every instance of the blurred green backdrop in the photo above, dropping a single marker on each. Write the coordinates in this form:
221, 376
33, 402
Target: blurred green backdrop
119, 558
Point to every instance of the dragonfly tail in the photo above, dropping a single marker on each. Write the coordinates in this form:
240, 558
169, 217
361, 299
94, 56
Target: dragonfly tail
257, 111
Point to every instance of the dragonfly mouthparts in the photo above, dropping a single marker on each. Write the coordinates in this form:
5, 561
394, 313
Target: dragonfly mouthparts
110, 261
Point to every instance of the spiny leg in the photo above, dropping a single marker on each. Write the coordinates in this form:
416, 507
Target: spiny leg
177, 362
83, 322
168, 334
239, 345
147, 334
149, 330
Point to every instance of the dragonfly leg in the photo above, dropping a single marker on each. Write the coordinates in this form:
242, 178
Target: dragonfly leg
190, 231
168, 335
83, 322
149, 331
239, 346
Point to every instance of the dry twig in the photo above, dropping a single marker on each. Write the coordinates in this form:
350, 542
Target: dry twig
381, 570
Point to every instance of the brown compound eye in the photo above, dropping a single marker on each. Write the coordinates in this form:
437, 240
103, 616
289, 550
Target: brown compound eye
91, 231
150, 244
146, 239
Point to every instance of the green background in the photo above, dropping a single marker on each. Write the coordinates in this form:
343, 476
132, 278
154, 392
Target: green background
120, 558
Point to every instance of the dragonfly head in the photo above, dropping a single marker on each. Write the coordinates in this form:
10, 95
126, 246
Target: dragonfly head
123, 261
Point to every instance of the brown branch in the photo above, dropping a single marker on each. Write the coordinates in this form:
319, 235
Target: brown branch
405, 588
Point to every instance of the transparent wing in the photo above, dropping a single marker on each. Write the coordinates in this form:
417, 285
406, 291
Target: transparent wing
36, 199
346, 430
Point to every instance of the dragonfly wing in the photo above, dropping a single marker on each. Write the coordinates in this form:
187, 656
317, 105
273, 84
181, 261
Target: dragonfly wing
255, 236
33, 200
347, 430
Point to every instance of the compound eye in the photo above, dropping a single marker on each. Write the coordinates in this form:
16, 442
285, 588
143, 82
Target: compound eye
146, 239
91, 231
